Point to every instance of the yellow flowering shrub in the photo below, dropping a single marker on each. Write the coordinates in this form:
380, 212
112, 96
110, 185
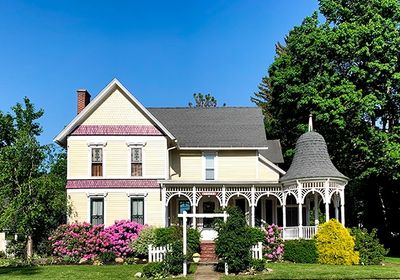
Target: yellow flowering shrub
335, 245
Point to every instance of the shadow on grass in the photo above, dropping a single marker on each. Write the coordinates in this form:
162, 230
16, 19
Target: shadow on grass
15, 271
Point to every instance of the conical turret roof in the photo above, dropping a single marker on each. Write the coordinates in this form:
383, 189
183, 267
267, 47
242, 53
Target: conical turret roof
311, 160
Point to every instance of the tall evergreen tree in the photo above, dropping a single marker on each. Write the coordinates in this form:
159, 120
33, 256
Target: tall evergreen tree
346, 71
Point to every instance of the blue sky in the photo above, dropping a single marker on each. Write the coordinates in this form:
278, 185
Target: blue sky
162, 51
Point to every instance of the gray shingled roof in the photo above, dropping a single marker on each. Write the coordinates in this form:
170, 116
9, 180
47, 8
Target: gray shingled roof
311, 159
214, 127
274, 152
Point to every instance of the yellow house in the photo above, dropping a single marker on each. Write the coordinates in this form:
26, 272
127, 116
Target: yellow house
126, 161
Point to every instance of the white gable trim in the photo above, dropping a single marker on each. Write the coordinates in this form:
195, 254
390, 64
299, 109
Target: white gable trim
271, 164
60, 138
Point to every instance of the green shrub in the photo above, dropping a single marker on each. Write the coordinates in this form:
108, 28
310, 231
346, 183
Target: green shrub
155, 270
233, 243
164, 236
367, 244
256, 235
140, 246
300, 251
174, 258
16, 248
193, 241
107, 257
258, 264
335, 245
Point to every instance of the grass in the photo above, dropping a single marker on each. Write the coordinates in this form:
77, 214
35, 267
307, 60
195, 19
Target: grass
390, 270
84, 272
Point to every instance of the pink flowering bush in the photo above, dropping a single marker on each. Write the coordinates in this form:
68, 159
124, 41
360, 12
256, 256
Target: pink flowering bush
83, 240
121, 234
80, 240
273, 243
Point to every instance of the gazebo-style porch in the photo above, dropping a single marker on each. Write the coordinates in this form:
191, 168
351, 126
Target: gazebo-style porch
297, 208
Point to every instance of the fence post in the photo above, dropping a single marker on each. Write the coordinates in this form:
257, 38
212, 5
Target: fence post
259, 250
226, 268
184, 243
150, 253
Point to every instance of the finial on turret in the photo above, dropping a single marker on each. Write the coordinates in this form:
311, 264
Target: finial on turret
310, 124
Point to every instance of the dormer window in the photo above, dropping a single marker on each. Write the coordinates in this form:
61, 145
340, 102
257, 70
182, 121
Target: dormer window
97, 162
136, 162
209, 166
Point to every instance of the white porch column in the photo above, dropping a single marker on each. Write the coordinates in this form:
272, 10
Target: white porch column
253, 208
342, 208
300, 205
194, 223
164, 203
283, 219
327, 200
316, 208
307, 211
223, 197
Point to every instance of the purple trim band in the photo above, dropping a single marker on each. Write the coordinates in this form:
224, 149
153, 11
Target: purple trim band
116, 130
111, 184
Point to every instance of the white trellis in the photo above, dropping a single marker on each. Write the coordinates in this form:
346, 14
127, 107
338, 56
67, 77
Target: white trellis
185, 216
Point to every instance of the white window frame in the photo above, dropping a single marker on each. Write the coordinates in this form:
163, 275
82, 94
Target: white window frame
92, 145
130, 146
215, 154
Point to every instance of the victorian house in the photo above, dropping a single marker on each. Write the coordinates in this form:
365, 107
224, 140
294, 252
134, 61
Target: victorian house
126, 161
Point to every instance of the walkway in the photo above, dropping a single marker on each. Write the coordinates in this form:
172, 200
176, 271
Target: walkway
206, 272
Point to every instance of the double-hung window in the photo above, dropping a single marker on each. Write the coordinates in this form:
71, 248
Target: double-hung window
137, 209
97, 162
97, 210
209, 166
136, 162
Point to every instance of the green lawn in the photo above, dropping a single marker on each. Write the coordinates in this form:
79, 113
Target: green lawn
82, 272
71, 272
391, 270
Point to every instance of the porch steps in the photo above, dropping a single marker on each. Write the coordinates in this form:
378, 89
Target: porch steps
207, 252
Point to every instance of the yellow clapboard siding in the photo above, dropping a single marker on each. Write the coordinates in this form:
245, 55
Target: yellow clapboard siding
116, 159
190, 166
78, 161
236, 165
154, 209
267, 173
79, 203
154, 156
117, 207
117, 110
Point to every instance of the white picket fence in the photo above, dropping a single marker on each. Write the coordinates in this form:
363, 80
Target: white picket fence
157, 254
256, 251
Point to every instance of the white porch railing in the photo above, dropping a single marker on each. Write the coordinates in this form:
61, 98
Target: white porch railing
290, 233
157, 254
309, 231
256, 251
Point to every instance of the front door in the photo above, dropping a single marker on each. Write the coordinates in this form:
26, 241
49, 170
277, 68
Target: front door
208, 207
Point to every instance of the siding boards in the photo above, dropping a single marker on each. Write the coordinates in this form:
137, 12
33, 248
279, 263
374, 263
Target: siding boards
117, 110
236, 165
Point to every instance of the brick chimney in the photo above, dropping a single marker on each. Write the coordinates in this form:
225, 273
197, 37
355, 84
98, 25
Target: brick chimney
83, 99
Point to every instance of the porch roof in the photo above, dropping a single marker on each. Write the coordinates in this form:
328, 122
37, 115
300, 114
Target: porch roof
220, 182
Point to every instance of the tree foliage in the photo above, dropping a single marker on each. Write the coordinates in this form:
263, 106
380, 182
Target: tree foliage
204, 101
32, 176
346, 71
